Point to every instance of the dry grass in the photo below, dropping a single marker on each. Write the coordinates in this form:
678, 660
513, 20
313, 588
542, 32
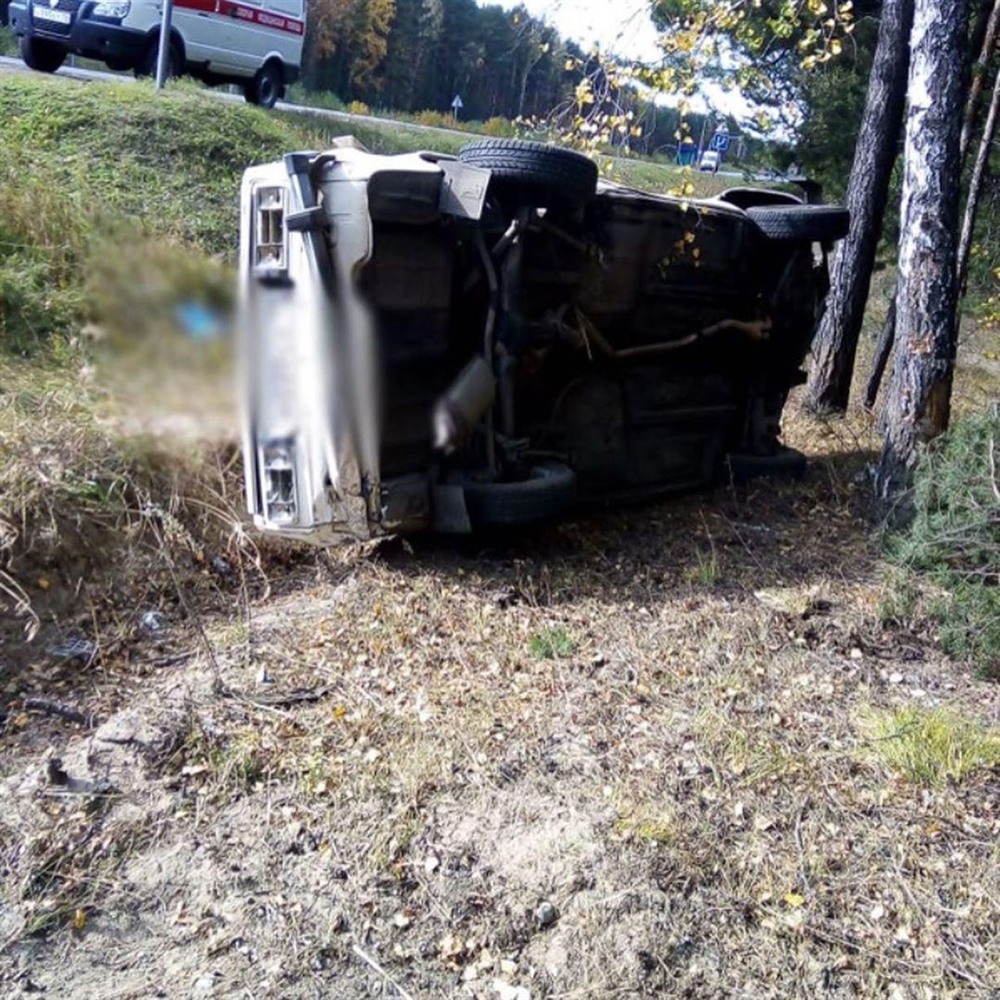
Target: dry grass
715, 734
408, 753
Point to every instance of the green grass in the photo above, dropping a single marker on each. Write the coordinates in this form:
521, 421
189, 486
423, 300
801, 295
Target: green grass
169, 163
930, 746
8, 42
552, 643
92, 174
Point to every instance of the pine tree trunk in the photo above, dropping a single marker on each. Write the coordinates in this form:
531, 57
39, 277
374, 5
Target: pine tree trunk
982, 57
882, 351
917, 406
976, 185
837, 338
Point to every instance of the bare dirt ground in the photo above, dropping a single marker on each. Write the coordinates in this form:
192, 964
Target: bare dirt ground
635, 754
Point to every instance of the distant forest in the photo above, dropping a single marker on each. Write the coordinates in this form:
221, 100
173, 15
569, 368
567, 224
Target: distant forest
415, 55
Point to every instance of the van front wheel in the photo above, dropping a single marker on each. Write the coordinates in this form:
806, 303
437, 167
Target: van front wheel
36, 53
265, 88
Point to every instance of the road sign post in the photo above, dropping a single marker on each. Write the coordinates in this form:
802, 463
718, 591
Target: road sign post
456, 106
163, 54
720, 142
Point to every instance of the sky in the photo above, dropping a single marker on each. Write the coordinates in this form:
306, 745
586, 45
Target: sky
622, 27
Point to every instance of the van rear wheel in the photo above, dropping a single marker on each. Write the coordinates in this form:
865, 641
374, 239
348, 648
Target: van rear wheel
265, 88
150, 58
38, 54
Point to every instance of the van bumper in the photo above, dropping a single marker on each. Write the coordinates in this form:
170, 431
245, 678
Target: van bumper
88, 37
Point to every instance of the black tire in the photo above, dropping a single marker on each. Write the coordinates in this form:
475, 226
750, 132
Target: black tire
801, 223
41, 55
147, 65
532, 173
549, 491
265, 88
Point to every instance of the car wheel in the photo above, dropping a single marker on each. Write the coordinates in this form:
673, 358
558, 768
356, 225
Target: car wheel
548, 491
147, 65
265, 88
533, 173
801, 223
36, 53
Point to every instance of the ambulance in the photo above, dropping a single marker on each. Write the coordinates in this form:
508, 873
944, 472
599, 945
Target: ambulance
256, 44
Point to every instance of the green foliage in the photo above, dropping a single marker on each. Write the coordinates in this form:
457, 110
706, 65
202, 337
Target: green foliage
760, 48
833, 102
898, 597
954, 536
297, 93
415, 54
8, 42
930, 746
552, 643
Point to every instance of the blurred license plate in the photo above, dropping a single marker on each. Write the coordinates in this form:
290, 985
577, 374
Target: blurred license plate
58, 16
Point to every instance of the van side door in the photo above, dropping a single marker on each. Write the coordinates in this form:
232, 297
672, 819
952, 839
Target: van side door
200, 26
265, 28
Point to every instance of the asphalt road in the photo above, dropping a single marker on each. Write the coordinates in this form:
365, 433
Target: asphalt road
77, 73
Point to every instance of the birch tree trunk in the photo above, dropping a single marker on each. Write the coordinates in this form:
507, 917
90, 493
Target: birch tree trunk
983, 41
918, 403
836, 340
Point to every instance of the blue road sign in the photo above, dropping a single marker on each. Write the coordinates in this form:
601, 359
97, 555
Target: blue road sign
720, 142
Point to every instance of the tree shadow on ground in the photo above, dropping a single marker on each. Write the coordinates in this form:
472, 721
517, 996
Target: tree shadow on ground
762, 534
724, 543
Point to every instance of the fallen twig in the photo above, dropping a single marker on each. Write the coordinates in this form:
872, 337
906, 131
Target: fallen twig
280, 700
170, 661
50, 707
378, 968
993, 471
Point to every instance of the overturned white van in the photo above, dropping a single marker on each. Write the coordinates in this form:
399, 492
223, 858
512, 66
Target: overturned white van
254, 43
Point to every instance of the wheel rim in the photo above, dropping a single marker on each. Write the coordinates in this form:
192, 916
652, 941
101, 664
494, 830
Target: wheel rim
267, 90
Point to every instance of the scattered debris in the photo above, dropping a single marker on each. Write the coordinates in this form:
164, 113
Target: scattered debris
81, 650
546, 914
151, 622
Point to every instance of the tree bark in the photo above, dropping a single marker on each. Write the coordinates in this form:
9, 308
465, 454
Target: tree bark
917, 407
983, 40
836, 340
976, 185
989, 39
881, 358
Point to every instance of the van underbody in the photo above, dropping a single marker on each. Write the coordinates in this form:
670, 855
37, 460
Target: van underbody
487, 342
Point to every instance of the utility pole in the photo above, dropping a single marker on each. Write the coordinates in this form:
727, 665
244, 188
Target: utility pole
163, 55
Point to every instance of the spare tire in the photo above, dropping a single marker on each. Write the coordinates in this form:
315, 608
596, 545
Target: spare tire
549, 491
801, 223
533, 173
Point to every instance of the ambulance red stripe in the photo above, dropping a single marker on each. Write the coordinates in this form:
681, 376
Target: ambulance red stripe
242, 12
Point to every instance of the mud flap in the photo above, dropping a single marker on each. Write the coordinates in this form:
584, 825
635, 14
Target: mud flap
451, 516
